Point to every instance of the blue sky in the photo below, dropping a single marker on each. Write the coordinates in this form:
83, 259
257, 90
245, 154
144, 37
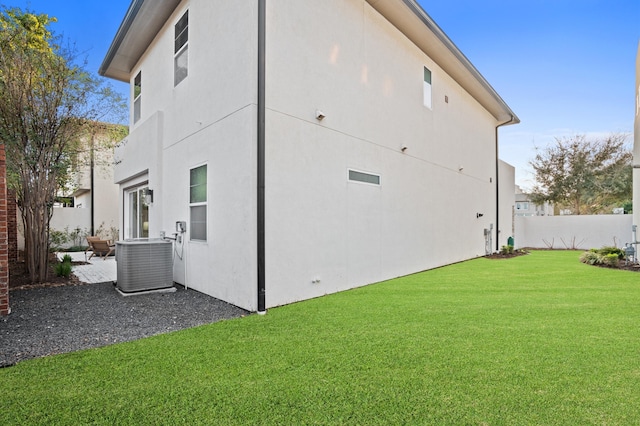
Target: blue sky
564, 66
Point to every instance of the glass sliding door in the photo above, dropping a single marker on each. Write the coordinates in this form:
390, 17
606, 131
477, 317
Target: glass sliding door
136, 213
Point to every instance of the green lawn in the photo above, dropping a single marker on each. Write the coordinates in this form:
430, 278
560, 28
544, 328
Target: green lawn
539, 339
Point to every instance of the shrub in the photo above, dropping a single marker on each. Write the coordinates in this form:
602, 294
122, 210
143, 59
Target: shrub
610, 259
591, 258
63, 269
605, 251
506, 250
67, 258
57, 239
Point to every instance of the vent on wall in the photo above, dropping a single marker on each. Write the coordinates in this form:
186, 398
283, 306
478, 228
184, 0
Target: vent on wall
144, 265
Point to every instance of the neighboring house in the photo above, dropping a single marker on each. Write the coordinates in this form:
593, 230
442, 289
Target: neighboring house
525, 207
93, 186
93, 198
310, 146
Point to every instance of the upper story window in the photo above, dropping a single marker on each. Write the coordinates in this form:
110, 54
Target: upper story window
137, 96
181, 50
427, 87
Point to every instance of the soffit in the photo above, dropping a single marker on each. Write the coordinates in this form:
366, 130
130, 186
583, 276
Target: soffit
410, 19
142, 22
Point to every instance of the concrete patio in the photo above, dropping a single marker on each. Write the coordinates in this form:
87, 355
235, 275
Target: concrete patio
97, 270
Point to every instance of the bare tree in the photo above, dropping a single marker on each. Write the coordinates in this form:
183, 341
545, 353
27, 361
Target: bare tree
584, 175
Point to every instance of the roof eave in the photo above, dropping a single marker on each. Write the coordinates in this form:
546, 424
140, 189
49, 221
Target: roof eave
131, 40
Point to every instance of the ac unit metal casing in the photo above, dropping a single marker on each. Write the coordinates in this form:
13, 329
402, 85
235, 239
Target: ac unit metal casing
144, 265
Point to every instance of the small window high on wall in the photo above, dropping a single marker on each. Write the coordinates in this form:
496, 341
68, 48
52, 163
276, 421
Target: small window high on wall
363, 177
181, 50
137, 96
427, 87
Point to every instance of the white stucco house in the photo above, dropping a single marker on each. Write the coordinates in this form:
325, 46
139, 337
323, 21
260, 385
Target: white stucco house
310, 146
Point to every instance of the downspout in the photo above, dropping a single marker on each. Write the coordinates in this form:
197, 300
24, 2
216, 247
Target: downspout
261, 155
91, 186
511, 120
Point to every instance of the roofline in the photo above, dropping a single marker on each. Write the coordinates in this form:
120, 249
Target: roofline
446, 55
124, 28
440, 34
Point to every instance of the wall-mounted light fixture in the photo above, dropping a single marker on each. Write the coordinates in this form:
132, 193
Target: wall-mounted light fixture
147, 196
320, 115
479, 215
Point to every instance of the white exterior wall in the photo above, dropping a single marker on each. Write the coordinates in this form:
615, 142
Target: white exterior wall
507, 197
209, 118
345, 59
568, 232
636, 147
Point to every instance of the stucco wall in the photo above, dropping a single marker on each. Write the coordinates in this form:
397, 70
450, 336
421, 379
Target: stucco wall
345, 59
209, 118
323, 232
581, 232
507, 181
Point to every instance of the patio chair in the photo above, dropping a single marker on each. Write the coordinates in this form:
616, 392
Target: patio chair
102, 248
90, 238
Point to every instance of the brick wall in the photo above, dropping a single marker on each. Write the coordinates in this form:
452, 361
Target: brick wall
12, 225
4, 251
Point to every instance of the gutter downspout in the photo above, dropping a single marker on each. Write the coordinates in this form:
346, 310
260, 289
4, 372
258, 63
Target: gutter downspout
511, 120
261, 155
92, 185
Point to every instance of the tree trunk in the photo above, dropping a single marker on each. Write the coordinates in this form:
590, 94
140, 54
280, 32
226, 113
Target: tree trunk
36, 213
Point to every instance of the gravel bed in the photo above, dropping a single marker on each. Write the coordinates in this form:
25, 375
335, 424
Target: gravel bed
54, 320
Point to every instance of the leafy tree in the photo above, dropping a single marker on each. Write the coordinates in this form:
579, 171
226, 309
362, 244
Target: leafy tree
47, 101
584, 175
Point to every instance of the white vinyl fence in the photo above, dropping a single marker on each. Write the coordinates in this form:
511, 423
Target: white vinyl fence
573, 232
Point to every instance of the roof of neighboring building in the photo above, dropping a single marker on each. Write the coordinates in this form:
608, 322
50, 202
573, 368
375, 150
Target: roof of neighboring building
145, 18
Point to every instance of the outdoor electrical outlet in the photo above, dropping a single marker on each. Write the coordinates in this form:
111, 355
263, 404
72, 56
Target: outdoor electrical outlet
162, 234
179, 239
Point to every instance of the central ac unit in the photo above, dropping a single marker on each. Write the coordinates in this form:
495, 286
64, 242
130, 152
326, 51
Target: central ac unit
144, 265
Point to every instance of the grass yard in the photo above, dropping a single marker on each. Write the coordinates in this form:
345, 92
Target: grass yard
539, 339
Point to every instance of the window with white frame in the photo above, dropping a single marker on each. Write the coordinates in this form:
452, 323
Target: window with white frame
427, 87
181, 50
137, 96
198, 203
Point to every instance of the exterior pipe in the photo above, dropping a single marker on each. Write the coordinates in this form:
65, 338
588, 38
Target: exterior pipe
261, 155
511, 120
92, 185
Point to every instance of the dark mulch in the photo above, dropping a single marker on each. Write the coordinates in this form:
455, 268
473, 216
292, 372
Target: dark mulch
515, 253
66, 315
19, 277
